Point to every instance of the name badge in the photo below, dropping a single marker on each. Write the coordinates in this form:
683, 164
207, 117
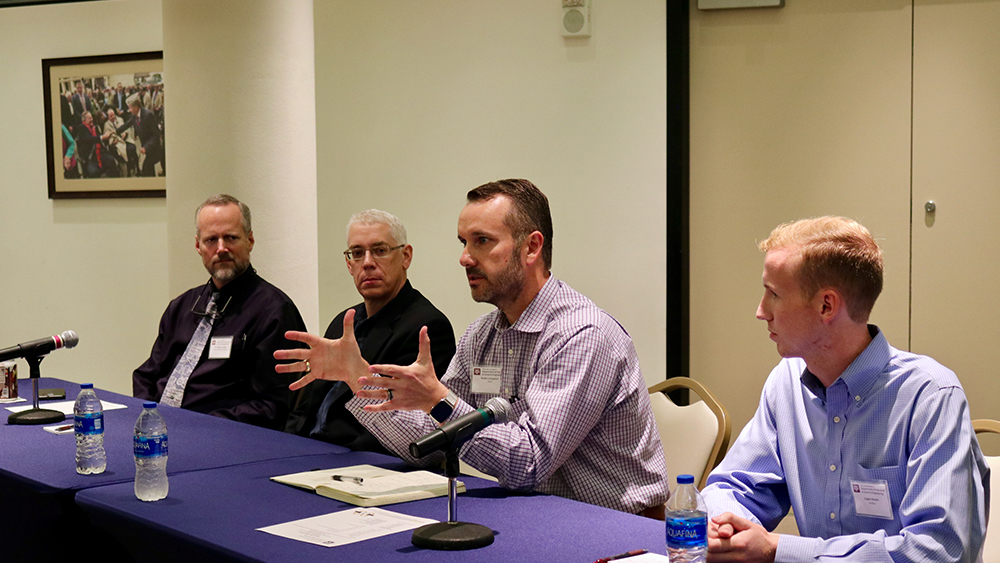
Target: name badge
486, 379
219, 347
872, 499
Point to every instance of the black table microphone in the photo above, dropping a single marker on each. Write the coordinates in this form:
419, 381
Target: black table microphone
40, 347
457, 432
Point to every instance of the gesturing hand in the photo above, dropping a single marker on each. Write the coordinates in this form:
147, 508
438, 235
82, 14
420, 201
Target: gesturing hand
732, 538
412, 387
335, 360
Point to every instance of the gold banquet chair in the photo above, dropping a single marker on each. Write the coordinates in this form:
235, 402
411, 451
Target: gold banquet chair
694, 437
991, 548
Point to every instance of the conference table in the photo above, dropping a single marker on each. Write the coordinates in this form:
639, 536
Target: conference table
221, 493
38, 478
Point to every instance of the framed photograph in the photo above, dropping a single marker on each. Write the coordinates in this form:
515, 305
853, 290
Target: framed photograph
104, 126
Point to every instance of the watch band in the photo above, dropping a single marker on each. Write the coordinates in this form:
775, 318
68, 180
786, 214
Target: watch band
445, 407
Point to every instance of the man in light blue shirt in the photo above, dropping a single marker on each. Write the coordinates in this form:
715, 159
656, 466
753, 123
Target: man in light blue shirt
871, 447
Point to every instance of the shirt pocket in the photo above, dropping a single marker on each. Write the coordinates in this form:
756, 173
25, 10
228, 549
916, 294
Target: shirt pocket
895, 478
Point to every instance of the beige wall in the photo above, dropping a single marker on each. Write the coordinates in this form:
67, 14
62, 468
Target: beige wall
418, 102
94, 266
795, 112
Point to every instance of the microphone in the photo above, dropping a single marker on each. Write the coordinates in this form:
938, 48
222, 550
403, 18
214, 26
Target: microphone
40, 347
458, 431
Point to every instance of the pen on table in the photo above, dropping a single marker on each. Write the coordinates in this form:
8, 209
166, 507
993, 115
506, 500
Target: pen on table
622, 555
63, 428
355, 480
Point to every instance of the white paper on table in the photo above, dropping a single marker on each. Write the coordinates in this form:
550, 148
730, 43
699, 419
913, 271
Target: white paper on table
14, 400
347, 526
647, 557
66, 407
59, 428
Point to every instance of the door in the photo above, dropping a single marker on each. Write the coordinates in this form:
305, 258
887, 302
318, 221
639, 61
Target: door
956, 165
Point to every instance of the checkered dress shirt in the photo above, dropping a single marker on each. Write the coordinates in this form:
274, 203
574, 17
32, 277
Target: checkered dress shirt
582, 426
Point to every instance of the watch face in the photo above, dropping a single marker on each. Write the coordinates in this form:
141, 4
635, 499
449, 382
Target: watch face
442, 410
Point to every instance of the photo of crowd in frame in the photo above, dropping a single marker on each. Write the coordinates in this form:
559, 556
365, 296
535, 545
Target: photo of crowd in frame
105, 126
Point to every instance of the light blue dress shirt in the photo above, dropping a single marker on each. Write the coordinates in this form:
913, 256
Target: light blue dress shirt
891, 416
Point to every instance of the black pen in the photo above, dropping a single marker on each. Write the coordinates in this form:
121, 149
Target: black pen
355, 480
632, 553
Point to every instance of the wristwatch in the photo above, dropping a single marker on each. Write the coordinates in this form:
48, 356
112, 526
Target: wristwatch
445, 407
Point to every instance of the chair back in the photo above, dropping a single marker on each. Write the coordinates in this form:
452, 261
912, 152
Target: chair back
991, 547
694, 437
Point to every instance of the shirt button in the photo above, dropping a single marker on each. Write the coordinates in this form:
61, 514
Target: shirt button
833, 468
836, 419
833, 516
510, 352
857, 397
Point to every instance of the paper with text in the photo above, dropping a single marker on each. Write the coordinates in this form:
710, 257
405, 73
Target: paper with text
346, 526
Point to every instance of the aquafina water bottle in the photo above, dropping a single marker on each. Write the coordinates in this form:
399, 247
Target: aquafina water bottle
150, 447
687, 523
88, 425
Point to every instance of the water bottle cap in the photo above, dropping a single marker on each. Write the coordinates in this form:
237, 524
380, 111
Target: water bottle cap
685, 479
86, 386
149, 404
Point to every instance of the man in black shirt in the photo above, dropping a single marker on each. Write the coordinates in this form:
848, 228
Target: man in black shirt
386, 324
215, 349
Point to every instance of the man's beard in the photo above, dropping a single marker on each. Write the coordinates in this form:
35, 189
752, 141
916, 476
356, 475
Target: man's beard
504, 286
226, 273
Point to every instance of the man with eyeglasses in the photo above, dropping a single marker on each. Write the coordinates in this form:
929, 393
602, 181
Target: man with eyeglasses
215, 349
386, 325
581, 425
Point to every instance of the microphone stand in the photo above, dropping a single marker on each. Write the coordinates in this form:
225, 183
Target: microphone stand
35, 415
452, 535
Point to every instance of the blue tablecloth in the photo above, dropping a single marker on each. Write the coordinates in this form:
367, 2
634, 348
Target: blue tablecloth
38, 478
45, 462
213, 515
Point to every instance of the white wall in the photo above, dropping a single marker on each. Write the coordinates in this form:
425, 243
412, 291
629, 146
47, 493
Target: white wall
94, 266
418, 102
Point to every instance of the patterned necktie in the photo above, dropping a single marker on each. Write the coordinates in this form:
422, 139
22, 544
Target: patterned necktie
173, 393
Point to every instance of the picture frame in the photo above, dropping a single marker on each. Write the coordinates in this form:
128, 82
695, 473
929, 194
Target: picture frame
90, 157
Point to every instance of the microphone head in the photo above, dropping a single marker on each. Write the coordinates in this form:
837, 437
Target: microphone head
69, 338
501, 409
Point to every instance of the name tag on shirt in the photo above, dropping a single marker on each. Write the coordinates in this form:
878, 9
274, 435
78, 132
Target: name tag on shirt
486, 379
219, 347
872, 499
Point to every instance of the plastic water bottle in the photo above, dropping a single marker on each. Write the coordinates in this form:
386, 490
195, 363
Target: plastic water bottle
150, 447
687, 523
88, 426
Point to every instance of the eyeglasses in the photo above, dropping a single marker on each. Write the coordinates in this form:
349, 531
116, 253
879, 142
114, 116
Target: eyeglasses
378, 252
212, 310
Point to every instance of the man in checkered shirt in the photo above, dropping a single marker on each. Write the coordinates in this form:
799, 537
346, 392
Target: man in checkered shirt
581, 428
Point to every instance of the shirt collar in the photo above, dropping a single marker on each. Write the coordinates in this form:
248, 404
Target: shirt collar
534, 316
390, 310
862, 374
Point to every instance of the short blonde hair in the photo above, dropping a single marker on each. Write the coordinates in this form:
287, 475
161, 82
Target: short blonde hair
835, 252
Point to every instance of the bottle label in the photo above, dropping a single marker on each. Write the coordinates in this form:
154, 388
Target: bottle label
90, 423
687, 528
152, 446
